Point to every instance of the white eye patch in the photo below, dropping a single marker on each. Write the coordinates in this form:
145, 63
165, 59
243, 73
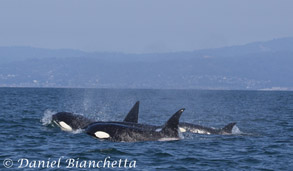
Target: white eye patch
101, 134
64, 126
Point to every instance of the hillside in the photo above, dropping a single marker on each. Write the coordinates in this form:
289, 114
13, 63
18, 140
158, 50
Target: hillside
259, 65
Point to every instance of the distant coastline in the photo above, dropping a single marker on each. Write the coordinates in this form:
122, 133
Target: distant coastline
255, 66
196, 89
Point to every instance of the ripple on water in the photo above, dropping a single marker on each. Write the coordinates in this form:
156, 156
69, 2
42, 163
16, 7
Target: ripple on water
264, 142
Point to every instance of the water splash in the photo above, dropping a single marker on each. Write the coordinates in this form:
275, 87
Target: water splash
180, 134
47, 118
78, 131
236, 130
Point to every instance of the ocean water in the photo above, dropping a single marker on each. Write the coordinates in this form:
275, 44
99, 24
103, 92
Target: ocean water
262, 140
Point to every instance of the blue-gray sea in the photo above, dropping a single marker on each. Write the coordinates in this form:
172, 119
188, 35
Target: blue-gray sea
262, 140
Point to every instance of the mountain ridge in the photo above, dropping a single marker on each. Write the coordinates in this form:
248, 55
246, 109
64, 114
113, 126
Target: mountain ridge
259, 65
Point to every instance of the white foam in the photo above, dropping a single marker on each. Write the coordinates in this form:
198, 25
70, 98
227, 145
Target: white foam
77, 131
180, 134
236, 130
47, 118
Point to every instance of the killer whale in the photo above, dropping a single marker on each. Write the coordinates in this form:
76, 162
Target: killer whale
132, 132
189, 127
70, 122
198, 129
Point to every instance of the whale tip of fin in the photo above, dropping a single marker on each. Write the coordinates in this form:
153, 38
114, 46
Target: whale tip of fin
228, 128
132, 115
172, 124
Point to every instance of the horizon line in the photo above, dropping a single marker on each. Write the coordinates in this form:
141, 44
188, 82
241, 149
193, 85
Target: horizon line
141, 53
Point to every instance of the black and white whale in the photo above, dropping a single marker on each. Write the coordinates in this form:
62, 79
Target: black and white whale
189, 127
198, 129
131, 132
71, 122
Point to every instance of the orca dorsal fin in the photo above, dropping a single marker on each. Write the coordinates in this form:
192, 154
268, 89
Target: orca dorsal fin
132, 115
171, 126
228, 128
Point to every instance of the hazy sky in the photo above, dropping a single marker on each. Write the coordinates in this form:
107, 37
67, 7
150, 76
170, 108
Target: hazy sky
142, 25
